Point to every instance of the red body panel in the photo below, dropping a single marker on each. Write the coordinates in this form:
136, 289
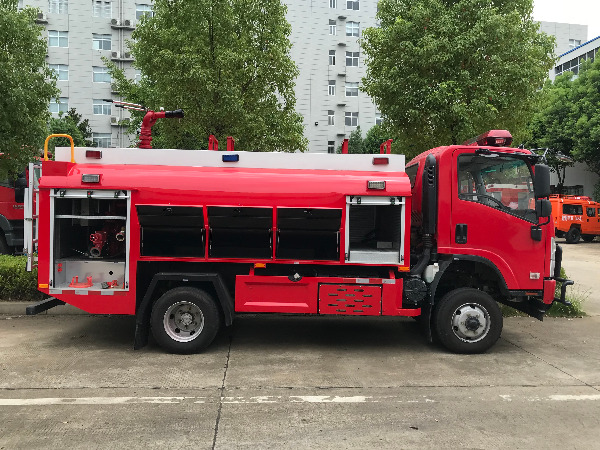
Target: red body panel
213, 186
8, 207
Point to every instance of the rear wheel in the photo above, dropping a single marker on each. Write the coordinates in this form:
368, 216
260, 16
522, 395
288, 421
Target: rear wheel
185, 320
573, 235
467, 320
587, 237
4, 248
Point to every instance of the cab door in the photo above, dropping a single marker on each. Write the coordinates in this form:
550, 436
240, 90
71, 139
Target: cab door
493, 211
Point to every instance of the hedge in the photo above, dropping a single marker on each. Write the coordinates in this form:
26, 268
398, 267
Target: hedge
15, 282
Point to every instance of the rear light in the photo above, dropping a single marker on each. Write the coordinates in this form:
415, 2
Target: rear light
379, 185
96, 154
378, 160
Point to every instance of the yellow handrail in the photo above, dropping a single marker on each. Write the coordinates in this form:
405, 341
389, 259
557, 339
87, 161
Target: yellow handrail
59, 135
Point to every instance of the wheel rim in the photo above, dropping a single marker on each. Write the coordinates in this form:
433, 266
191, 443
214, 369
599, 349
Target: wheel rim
471, 322
183, 321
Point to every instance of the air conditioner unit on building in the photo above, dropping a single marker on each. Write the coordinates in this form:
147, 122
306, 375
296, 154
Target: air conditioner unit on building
115, 22
115, 55
127, 55
114, 120
128, 22
41, 17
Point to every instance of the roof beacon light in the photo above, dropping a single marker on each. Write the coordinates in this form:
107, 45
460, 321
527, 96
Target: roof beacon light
493, 138
379, 185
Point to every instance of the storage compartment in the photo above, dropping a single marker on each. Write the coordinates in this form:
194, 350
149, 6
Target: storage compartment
375, 230
240, 232
308, 234
90, 240
175, 231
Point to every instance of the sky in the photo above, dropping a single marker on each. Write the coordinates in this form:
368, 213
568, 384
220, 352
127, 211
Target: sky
580, 12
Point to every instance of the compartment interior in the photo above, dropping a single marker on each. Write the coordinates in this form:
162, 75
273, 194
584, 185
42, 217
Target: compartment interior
89, 241
375, 233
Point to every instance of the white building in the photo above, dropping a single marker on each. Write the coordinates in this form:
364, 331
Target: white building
80, 33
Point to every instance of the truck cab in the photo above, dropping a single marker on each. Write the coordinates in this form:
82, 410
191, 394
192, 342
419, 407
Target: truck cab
490, 234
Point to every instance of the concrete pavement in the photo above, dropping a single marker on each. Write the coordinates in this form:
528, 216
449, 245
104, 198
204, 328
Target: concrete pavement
303, 382
297, 382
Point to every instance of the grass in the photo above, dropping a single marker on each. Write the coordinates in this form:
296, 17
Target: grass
575, 296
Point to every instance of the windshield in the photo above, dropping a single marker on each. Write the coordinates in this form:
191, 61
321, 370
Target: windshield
499, 181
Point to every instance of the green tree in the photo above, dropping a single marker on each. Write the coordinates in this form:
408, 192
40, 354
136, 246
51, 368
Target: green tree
443, 71
26, 87
551, 128
586, 101
72, 125
568, 120
355, 142
226, 63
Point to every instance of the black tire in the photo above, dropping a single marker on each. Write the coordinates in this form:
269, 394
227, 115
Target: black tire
573, 235
4, 248
588, 237
185, 320
467, 320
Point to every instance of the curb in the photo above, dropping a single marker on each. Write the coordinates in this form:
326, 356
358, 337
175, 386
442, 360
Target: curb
18, 309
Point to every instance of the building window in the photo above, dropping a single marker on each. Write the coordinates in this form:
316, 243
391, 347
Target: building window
101, 75
333, 4
330, 146
332, 57
58, 38
352, 28
102, 9
332, 27
61, 71
351, 119
330, 117
352, 59
378, 118
101, 107
573, 65
59, 105
574, 43
101, 41
20, 5
353, 5
138, 76
58, 6
143, 10
331, 87
101, 139
351, 89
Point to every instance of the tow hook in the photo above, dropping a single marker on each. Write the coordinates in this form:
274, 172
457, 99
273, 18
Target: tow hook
563, 290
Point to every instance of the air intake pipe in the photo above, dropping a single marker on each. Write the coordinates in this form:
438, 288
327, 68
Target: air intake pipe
429, 211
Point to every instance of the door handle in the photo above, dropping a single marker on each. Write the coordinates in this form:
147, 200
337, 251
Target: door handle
460, 235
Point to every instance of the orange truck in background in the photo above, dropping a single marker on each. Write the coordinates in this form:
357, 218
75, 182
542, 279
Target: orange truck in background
575, 217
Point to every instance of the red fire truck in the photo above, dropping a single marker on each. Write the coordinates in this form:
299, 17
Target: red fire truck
11, 214
185, 240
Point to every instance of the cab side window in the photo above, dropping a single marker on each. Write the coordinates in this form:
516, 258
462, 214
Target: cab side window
591, 212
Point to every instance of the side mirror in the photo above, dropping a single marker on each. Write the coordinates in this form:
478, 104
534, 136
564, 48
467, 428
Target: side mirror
20, 185
541, 181
543, 207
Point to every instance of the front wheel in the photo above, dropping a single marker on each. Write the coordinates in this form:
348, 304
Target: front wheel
185, 320
467, 320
